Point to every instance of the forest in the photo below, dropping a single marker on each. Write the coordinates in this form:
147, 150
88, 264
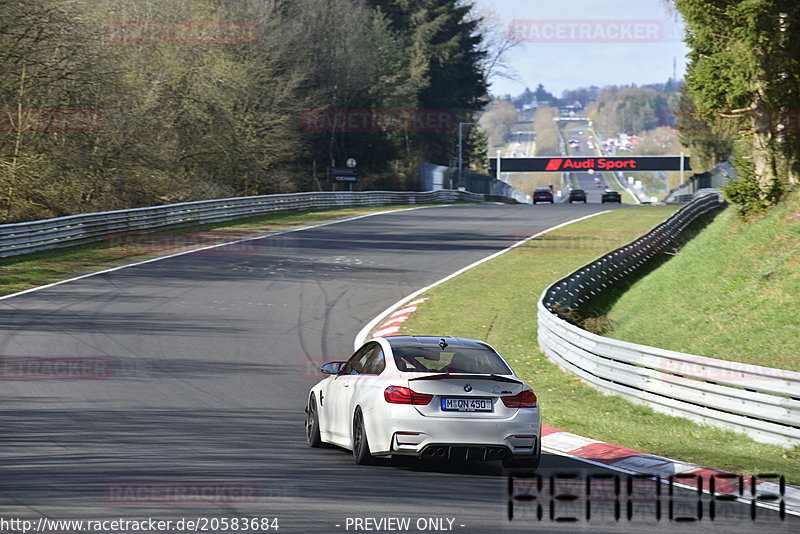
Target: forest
111, 104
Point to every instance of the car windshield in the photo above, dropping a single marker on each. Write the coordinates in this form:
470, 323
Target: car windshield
419, 357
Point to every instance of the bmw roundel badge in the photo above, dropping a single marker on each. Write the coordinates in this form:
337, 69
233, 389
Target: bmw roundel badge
467, 388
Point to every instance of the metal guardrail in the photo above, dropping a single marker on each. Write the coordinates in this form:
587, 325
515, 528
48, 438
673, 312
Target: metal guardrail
761, 402
22, 238
716, 178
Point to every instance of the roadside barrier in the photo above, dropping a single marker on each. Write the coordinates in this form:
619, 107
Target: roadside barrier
22, 238
762, 402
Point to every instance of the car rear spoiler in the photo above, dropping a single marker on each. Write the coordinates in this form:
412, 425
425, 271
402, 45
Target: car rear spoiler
471, 376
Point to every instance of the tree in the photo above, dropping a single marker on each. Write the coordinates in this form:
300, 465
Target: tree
584, 95
547, 142
744, 77
543, 96
478, 151
447, 62
497, 121
180, 119
708, 148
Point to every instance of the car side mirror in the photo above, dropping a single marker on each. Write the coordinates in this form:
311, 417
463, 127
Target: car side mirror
332, 368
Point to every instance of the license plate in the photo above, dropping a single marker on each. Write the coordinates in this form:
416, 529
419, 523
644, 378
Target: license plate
451, 404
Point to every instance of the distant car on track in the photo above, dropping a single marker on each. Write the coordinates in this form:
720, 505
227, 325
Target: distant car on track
577, 195
438, 398
543, 194
609, 195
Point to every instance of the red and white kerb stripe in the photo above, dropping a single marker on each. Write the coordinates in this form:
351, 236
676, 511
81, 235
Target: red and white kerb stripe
392, 325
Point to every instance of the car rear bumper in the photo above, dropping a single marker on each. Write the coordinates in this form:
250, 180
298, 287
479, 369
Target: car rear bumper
457, 438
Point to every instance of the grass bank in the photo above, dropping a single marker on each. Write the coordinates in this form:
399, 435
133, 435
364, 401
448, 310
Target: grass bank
496, 302
18, 273
732, 292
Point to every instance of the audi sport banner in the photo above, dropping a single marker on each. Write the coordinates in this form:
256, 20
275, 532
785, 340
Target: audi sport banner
596, 164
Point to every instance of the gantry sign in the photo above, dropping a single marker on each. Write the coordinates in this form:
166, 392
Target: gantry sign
593, 163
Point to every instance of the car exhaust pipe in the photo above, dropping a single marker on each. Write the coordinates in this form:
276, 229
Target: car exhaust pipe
441, 452
495, 453
429, 452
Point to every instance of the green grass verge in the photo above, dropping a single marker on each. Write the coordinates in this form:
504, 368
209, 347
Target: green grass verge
496, 302
731, 293
627, 198
18, 273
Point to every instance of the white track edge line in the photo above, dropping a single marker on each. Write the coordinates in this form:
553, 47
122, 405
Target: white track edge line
112, 269
361, 337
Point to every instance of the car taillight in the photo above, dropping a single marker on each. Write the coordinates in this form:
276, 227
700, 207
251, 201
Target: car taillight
524, 399
401, 395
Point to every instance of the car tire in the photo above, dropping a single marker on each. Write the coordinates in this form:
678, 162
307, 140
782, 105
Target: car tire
361, 453
312, 424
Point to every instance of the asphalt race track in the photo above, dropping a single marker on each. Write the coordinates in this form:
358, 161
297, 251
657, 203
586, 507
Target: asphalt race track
584, 179
201, 364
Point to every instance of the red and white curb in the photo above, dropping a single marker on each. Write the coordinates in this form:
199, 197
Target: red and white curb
767, 493
392, 325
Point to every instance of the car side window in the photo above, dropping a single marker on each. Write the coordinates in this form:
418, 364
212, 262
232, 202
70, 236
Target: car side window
355, 365
358, 363
375, 363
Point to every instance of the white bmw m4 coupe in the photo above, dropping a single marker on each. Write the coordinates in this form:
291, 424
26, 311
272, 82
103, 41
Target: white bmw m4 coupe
429, 397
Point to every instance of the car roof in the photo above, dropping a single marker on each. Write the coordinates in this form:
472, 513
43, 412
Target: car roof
539, 189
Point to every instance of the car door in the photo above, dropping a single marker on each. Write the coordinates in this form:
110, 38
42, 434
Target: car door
340, 393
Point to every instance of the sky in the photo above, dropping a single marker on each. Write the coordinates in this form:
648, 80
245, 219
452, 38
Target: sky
576, 43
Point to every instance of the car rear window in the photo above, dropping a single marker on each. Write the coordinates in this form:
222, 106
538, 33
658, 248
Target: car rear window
453, 359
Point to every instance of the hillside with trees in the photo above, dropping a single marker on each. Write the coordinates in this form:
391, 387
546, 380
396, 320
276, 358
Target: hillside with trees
743, 88
632, 110
110, 104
